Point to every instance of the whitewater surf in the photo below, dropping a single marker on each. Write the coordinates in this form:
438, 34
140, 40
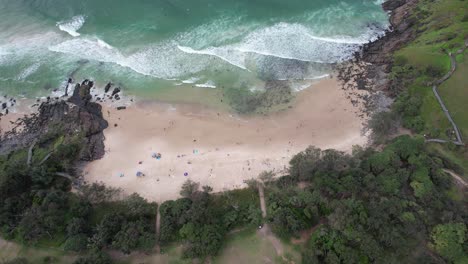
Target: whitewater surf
153, 45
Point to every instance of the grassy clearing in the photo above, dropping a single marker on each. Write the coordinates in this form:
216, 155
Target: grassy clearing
443, 27
457, 156
35, 255
247, 246
244, 246
455, 94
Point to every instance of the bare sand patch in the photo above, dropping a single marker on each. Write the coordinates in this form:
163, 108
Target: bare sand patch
217, 148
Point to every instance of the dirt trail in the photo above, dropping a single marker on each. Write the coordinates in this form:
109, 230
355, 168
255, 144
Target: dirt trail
265, 231
158, 228
457, 178
261, 193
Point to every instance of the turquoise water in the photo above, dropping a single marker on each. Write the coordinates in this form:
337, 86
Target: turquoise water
149, 44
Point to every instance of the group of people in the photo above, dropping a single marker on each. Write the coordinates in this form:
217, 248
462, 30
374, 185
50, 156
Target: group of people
157, 156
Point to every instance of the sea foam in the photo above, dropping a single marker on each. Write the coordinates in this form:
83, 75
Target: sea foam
208, 84
72, 26
28, 71
282, 50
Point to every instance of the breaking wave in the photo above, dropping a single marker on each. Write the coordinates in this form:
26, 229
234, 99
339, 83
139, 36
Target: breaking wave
270, 48
72, 26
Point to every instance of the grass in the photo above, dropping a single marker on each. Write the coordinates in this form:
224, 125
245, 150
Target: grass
458, 156
454, 92
247, 246
443, 27
244, 246
35, 255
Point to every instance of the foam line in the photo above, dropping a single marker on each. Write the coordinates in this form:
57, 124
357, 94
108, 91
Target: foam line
72, 26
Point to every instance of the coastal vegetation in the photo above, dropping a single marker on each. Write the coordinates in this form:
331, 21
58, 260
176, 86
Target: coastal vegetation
393, 204
37, 207
441, 28
368, 206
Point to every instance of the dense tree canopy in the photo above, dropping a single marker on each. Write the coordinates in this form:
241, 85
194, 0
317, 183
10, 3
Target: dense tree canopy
388, 206
378, 207
36, 204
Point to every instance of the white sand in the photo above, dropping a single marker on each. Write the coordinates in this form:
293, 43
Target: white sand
230, 149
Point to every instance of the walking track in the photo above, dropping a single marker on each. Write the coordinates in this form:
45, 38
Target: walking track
453, 67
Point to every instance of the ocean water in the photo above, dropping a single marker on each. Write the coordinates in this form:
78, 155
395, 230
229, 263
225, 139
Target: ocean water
149, 45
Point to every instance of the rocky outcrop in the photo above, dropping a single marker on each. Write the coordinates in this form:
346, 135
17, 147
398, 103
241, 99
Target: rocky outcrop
370, 68
401, 32
76, 116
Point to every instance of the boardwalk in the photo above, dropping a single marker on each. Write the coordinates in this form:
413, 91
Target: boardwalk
453, 67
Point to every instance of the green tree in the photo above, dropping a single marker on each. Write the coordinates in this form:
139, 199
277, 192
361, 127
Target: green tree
189, 188
449, 241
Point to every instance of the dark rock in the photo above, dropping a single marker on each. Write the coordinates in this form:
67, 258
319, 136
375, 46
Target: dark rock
91, 84
380, 51
392, 5
115, 91
81, 95
75, 116
121, 107
107, 88
4, 106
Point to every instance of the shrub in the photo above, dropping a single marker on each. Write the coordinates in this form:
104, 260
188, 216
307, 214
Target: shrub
76, 243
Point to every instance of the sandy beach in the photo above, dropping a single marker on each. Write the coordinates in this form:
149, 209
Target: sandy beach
217, 148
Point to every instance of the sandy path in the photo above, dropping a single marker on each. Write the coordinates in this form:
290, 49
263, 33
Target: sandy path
457, 178
261, 194
217, 148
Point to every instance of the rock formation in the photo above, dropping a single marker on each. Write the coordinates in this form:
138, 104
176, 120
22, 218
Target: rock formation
76, 116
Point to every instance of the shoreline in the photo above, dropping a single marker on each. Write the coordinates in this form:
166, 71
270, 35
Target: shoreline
215, 147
